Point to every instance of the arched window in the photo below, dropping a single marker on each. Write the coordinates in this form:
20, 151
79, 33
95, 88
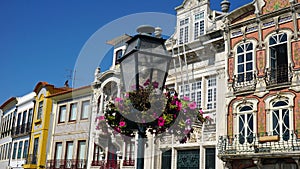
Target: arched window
245, 62
278, 58
245, 124
280, 119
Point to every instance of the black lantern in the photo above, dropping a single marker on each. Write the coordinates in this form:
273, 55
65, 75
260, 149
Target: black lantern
145, 63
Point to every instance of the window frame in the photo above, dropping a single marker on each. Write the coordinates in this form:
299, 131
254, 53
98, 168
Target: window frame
183, 30
213, 87
60, 108
197, 25
40, 109
71, 112
82, 110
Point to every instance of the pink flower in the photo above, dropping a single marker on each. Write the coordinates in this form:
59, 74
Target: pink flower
118, 99
97, 127
161, 121
188, 121
179, 105
186, 98
200, 111
155, 84
122, 123
207, 118
118, 129
101, 118
192, 105
126, 94
147, 82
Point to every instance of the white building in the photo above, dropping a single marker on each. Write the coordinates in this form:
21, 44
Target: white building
7, 111
21, 129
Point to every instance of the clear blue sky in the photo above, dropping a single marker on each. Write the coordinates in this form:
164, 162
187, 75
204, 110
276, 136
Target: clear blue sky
41, 40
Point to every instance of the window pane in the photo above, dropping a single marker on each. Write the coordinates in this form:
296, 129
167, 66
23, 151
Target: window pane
249, 56
81, 150
240, 68
240, 49
249, 66
73, 112
249, 46
69, 151
25, 151
20, 149
58, 151
14, 151
240, 58
283, 37
210, 158
272, 41
85, 109
40, 110
62, 114
245, 108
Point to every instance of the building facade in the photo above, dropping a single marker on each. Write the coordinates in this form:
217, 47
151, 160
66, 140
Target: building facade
7, 111
21, 128
39, 138
69, 136
262, 40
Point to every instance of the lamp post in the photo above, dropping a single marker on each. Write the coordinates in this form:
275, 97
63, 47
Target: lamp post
145, 60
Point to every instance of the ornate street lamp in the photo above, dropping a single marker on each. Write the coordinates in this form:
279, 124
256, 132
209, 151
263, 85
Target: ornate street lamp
145, 61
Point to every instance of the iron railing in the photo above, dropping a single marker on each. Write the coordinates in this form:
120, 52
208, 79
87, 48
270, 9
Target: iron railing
66, 164
262, 143
244, 83
21, 130
107, 164
280, 75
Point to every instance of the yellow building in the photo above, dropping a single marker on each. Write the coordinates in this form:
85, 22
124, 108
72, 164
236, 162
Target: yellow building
41, 123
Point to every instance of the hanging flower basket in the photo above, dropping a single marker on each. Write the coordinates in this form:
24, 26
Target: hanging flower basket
156, 111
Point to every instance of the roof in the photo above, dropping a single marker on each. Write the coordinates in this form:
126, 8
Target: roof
40, 85
12, 100
119, 39
68, 91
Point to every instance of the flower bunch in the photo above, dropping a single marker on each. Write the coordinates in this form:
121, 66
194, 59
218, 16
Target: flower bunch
156, 111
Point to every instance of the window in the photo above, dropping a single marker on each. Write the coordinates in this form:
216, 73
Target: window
210, 158
40, 110
278, 58
58, 154
245, 62
199, 25
69, 150
129, 153
73, 112
245, 124
30, 116
194, 94
85, 109
119, 54
18, 123
280, 123
211, 92
188, 159
98, 154
23, 121
81, 150
184, 31
25, 151
35, 150
58, 151
62, 114
166, 159
20, 149
14, 150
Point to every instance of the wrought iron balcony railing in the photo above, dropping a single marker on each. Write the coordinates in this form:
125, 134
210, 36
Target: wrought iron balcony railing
21, 130
244, 83
263, 143
70, 163
107, 164
31, 159
280, 75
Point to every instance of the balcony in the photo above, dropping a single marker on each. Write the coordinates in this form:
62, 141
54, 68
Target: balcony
244, 83
280, 76
21, 130
107, 164
258, 145
62, 164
